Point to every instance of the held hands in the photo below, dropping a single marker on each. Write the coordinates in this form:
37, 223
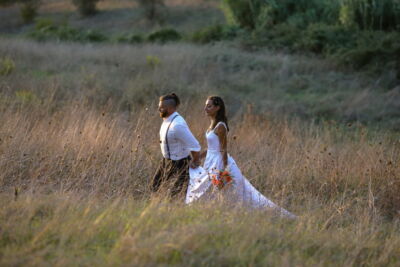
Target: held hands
194, 163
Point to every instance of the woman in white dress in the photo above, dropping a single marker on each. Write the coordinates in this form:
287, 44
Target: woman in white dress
239, 191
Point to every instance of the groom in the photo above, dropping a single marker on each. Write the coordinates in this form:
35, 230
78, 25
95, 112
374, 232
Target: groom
179, 148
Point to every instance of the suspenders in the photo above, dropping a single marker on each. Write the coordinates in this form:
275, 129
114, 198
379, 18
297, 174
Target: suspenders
166, 136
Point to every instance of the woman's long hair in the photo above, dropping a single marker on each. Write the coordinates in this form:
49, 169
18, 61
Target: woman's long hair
221, 113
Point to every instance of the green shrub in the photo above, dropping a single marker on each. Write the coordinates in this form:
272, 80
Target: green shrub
153, 61
164, 35
5, 3
43, 23
86, 7
371, 14
26, 97
373, 48
130, 38
29, 9
326, 39
282, 36
46, 30
215, 33
244, 12
7, 66
93, 36
253, 14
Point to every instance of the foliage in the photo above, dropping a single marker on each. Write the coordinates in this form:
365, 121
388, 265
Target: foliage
375, 49
7, 66
164, 35
28, 8
253, 14
326, 39
371, 14
5, 3
86, 7
152, 8
47, 30
349, 31
216, 32
132, 38
365, 14
244, 12
26, 97
153, 61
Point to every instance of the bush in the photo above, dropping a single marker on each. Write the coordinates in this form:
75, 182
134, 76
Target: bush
326, 39
365, 14
46, 30
7, 66
29, 10
5, 3
244, 12
130, 38
86, 7
280, 36
164, 35
215, 33
371, 14
372, 48
254, 14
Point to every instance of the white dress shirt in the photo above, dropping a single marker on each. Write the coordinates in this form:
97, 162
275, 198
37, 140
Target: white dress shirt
180, 139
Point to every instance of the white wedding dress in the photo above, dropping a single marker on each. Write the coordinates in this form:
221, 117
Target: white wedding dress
240, 191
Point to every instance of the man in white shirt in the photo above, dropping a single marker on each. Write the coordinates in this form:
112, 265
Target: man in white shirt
179, 148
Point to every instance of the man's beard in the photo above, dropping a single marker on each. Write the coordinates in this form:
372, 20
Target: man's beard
164, 114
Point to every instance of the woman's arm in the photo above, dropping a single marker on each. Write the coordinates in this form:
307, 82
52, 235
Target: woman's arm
203, 154
221, 133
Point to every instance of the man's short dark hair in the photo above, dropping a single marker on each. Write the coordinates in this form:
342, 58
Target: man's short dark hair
172, 98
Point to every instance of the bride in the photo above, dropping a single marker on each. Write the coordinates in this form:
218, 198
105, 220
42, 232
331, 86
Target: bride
203, 180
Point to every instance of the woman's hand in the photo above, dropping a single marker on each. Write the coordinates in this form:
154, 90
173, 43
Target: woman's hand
195, 162
203, 154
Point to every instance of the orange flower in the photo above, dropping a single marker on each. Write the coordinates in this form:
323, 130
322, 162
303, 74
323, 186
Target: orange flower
215, 181
224, 173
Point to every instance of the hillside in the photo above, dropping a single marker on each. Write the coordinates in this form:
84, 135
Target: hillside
79, 144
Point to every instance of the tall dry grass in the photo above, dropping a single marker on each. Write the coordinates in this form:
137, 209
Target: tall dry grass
110, 153
70, 230
77, 154
128, 77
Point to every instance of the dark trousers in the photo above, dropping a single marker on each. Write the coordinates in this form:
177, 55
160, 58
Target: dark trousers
172, 175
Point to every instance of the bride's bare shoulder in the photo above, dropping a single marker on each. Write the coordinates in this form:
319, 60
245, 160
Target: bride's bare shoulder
220, 129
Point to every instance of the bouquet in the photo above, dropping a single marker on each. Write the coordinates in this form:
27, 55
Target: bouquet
221, 179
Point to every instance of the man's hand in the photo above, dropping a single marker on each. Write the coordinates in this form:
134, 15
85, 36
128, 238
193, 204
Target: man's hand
194, 164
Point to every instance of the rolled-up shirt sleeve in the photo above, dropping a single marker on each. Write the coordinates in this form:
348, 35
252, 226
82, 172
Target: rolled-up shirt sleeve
186, 136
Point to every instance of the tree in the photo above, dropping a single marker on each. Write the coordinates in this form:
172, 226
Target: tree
151, 8
28, 8
5, 3
86, 7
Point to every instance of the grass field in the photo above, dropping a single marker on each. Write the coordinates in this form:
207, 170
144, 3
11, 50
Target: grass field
79, 144
116, 17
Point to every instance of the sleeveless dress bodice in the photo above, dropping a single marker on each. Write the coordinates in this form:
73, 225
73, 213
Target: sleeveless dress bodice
213, 144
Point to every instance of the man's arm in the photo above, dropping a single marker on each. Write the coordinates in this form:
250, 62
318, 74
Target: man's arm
186, 136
